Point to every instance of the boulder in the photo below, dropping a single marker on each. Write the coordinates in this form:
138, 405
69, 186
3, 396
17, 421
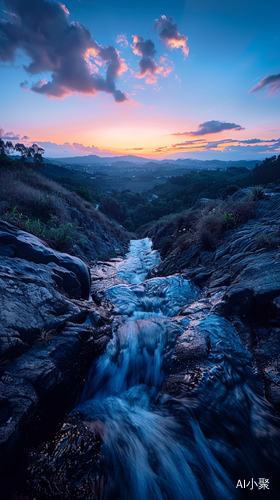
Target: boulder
36, 387
31, 303
28, 247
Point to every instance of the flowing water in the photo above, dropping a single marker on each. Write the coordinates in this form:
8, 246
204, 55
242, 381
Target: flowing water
189, 444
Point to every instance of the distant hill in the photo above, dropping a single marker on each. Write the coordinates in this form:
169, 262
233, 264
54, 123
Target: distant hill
98, 160
130, 162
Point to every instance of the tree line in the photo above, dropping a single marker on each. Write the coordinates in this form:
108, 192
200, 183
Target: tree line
32, 153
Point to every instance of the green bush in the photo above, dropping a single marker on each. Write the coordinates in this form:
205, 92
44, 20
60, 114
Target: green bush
268, 240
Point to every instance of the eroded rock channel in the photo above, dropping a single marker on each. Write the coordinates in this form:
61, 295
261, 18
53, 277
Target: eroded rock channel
174, 408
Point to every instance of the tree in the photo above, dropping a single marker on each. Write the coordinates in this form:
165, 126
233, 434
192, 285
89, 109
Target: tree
22, 149
5, 147
36, 152
33, 151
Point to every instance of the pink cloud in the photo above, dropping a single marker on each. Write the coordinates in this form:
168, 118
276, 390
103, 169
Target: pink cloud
64, 8
65, 50
169, 34
149, 68
122, 39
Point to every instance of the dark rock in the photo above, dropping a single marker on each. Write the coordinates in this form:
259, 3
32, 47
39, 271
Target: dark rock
192, 346
73, 464
45, 351
43, 379
247, 277
30, 248
30, 304
259, 281
96, 239
240, 194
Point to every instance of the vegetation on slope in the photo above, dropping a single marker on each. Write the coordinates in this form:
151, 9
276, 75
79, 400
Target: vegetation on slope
175, 215
42, 207
204, 224
133, 210
178, 194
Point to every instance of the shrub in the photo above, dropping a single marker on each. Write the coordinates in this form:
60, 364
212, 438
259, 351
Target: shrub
204, 226
257, 193
207, 239
229, 190
268, 240
241, 210
213, 222
183, 241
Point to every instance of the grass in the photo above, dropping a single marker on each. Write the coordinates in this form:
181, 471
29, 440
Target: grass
200, 225
268, 240
46, 209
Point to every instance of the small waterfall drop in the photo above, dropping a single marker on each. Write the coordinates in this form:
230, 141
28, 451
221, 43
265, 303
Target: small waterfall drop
185, 445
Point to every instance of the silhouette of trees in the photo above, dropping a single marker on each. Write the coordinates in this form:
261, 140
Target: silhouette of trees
34, 152
5, 147
268, 171
29, 154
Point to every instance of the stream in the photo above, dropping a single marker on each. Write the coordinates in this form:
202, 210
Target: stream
220, 439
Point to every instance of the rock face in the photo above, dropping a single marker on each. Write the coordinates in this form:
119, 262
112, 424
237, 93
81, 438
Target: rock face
17, 243
99, 239
244, 270
46, 341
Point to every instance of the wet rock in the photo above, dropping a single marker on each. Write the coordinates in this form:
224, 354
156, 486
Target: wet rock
162, 295
96, 319
30, 248
259, 281
220, 281
98, 238
69, 467
30, 303
197, 308
43, 379
245, 270
191, 347
45, 350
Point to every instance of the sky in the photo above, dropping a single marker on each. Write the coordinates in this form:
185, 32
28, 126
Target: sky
156, 79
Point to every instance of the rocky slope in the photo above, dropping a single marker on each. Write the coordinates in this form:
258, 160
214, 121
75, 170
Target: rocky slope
244, 270
49, 335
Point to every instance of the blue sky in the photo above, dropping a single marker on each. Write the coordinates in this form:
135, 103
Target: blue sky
202, 62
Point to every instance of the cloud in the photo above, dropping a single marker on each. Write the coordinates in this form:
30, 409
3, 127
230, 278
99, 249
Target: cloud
23, 85
143, 47
41, 29
270, 82
212, 127
252, 145
64, 8
55, 150
122, 39
81, 147
9, 136
148, 67
226, 149
160, 149
134, 149
169, 34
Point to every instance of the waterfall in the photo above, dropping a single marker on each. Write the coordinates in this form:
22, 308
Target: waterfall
189, 444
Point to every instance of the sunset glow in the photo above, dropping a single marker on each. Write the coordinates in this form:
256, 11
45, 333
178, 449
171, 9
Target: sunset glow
130, 88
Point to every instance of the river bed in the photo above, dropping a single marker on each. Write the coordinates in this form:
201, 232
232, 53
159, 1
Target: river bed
218, 440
